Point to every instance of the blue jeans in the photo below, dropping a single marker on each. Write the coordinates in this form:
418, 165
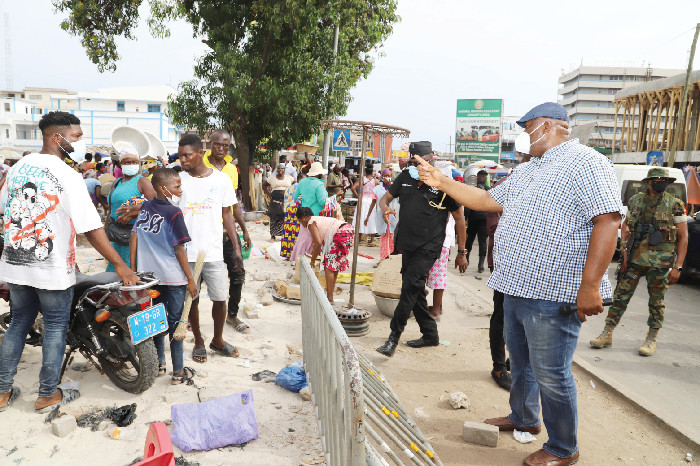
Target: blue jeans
25, 302
173, 297
541, 344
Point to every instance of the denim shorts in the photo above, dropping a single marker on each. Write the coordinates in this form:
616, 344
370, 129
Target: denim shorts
215, 275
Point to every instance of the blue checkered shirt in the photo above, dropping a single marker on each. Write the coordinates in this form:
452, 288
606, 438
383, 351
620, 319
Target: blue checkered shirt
541, 244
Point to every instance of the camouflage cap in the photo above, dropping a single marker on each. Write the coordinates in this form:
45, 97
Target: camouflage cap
658, 172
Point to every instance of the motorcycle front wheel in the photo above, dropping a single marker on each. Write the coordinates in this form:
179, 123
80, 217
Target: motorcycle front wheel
136, 372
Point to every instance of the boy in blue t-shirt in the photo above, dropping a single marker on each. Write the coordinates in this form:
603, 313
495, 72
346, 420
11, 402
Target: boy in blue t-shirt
158, 245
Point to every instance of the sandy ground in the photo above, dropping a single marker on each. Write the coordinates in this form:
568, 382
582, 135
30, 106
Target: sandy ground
611, 430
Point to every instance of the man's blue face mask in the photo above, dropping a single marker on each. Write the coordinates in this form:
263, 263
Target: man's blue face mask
413, 171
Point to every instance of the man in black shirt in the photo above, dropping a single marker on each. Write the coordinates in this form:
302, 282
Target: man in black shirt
419, 237
476, 224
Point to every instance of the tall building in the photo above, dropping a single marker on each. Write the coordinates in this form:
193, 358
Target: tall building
587, 93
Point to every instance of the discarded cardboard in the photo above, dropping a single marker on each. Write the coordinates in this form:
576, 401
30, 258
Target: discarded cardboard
387, 278
293, 292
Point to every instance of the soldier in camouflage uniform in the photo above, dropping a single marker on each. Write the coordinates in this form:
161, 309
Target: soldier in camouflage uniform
656, 224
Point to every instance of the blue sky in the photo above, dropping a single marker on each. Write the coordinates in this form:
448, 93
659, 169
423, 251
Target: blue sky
441, 51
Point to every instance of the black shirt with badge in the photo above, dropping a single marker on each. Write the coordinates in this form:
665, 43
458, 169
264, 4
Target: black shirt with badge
421, 225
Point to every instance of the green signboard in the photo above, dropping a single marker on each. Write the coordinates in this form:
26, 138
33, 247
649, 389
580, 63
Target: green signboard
478, 130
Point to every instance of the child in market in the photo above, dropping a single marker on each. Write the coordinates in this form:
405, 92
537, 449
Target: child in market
158, 245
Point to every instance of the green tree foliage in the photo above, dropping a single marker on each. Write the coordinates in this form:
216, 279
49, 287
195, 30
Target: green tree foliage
268, 73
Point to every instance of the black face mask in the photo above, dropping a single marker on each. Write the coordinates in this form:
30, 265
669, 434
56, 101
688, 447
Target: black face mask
659, 186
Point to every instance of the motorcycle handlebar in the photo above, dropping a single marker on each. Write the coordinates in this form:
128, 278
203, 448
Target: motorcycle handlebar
568, 309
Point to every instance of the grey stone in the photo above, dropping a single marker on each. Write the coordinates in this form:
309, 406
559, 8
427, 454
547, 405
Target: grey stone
63, 425
267, 300
480, 433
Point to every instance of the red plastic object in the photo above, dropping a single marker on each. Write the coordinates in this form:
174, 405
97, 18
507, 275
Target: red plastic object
159, 449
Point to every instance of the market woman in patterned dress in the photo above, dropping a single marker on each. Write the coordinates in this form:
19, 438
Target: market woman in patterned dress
291, 224
333, 238
275, 186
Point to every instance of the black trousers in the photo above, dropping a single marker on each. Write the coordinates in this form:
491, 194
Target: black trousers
496, 340
415, 266
476, 228
235, 279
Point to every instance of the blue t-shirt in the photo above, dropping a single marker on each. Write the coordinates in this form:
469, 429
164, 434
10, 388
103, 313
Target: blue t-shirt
160, 227
91, 184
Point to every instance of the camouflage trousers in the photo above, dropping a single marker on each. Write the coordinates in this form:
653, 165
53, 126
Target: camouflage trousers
656, 285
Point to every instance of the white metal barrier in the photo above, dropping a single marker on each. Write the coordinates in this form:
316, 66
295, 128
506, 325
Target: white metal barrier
349, 395
333, 371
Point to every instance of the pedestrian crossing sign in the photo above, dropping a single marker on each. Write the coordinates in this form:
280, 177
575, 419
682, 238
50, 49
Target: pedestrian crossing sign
341, 139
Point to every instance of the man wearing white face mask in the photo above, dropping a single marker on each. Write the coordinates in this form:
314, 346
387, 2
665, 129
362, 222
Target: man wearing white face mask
46, 204
553, 246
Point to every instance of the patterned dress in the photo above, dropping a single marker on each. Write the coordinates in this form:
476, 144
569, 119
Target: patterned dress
291, 224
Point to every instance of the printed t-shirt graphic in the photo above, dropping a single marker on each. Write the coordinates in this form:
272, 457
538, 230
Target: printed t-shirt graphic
44, 203
202, 202
160, 227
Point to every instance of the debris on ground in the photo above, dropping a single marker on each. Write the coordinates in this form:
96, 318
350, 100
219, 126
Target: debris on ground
292, 378
264, 376
52, 415
458, 400
124, 415
93, 418
523, 437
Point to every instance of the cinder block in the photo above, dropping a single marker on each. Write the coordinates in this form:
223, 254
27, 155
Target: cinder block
480, 433
63, 425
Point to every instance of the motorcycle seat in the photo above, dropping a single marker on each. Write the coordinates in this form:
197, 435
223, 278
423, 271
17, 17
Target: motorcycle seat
83, 282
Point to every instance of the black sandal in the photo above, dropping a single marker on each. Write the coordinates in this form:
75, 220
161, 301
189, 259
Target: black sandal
162, 369
186, 377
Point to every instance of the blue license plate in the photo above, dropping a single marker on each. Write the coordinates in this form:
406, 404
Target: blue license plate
147, 323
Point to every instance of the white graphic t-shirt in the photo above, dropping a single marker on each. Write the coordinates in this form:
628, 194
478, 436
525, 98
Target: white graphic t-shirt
45, 203
201, 203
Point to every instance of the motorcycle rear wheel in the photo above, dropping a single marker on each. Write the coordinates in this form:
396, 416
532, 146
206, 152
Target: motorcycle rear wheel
136, 373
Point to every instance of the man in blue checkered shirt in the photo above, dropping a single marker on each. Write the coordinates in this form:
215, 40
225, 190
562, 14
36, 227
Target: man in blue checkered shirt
553, 246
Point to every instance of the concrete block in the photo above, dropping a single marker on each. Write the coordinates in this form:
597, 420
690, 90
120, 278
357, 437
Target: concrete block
480, 433
251, 313
63, 425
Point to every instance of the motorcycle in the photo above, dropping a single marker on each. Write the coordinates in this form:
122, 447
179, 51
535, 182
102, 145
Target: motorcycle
112, 326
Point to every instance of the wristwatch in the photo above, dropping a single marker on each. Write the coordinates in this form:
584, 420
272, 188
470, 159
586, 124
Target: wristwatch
680, 269
461, 251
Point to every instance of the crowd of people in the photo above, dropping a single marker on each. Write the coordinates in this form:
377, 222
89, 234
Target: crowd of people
162, 216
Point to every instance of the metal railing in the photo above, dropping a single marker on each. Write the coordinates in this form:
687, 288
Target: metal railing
333, 371
350, 396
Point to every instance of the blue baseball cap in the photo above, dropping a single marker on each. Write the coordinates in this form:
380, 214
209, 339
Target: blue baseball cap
545, 110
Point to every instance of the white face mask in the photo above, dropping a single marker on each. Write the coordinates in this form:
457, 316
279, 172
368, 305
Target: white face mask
173, 199
79, 150
131, 170
538, 139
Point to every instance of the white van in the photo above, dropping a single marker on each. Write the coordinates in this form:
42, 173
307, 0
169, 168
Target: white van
629, 178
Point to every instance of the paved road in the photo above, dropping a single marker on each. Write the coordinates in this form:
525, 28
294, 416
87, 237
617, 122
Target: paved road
666, 384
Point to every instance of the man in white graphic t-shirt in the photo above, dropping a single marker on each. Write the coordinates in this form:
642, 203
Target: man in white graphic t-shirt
207, 197
45, 205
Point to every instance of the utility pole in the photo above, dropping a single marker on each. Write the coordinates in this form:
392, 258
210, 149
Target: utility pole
328, 140
680, 122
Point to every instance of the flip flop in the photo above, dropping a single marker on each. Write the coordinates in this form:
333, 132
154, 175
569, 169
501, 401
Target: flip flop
15, 392
228, 350
199, 353
162, 369
67, 395
186, 378
240, 327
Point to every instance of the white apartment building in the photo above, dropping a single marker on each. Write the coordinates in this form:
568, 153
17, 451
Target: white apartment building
142, 107
587, 92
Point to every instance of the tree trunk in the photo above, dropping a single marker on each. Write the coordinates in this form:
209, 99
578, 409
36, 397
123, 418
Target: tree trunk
243, 152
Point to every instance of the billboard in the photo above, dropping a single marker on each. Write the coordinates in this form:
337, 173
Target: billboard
478, 130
